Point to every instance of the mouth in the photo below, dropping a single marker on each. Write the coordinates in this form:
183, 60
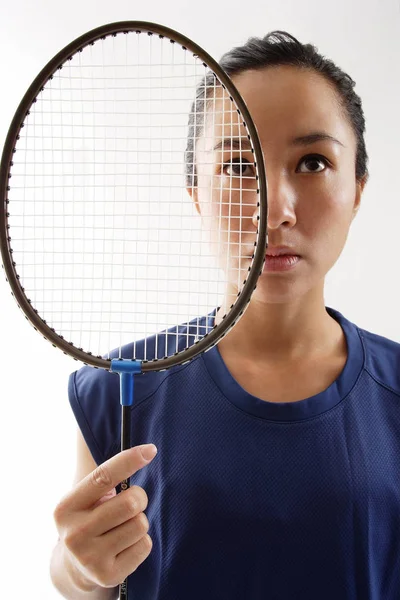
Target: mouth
281, 262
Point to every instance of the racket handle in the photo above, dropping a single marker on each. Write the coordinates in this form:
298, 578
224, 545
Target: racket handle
125, 436
123, 590
125, 484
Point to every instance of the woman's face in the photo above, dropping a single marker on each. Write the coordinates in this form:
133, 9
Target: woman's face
311, 199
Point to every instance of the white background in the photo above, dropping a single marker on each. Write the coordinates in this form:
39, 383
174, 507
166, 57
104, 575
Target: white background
37, 427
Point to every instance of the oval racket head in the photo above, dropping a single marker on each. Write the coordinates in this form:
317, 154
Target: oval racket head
134, 198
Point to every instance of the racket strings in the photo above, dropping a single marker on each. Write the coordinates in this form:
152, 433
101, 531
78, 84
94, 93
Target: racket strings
109, 245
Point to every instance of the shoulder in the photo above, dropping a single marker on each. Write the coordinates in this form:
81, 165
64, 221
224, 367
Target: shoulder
382, 359
372, 353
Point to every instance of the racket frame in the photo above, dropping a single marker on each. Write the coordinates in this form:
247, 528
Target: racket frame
9, 265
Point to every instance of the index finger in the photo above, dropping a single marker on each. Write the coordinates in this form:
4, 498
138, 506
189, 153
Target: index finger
104, 478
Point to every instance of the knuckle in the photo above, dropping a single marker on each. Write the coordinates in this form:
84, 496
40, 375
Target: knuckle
70, 541
147, 543
58, 513
130, 505
143, 522
101, 477
61, 510
141, 496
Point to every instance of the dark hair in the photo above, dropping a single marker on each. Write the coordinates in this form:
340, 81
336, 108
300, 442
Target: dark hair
275, 49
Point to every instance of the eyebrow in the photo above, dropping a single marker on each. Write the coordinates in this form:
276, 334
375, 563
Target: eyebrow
238, 143
302, 140
311, 138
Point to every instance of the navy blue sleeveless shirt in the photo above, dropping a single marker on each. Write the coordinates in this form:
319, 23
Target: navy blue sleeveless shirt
255, 500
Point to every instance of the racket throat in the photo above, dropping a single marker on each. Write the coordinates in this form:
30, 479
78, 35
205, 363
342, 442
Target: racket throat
126, 370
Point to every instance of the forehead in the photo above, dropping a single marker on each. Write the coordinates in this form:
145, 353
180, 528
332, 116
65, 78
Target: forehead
283, 102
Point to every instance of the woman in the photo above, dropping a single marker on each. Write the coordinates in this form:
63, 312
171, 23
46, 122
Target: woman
278, 450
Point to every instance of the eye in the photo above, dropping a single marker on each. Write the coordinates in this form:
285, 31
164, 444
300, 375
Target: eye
312, 160
238, 167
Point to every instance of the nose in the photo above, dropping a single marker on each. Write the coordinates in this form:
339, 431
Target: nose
281, 203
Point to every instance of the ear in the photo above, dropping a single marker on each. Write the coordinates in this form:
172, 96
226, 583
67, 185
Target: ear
360, 185
192, 191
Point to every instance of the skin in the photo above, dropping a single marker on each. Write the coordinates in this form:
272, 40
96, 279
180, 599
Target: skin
311, 205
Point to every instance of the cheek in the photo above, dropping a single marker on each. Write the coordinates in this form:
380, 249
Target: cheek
227, 210
231, 199
227, 207
326, 221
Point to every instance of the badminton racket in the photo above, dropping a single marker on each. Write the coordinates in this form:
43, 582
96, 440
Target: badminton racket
134, 201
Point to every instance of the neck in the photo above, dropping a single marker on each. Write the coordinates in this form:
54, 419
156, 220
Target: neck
283, 332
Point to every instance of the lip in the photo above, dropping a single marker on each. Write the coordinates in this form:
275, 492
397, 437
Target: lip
281, 250
284, 262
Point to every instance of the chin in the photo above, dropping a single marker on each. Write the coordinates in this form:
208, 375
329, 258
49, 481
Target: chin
277, 292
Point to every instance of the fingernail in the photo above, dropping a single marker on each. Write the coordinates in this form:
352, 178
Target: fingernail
148, 451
